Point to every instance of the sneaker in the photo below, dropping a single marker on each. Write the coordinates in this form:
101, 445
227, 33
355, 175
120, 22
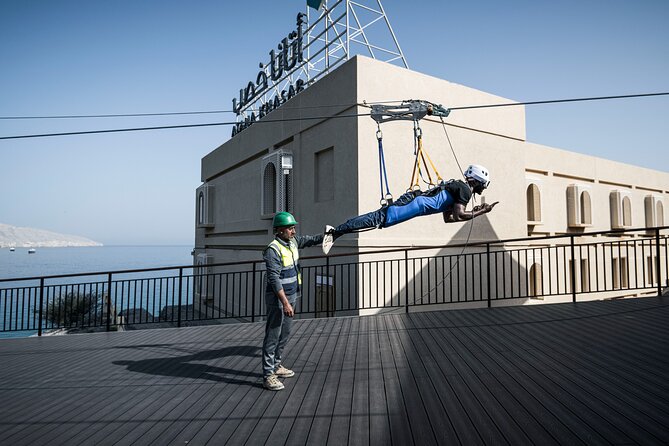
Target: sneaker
283, 372
328, 239
272, 383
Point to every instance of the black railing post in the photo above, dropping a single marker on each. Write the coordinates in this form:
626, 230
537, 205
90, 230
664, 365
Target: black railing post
41, 305
253, 294
181, 274
657, 261
487, 249
573, 269
109, 288
406, 285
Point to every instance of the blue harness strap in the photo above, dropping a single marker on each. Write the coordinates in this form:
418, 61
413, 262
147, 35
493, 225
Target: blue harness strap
383, 175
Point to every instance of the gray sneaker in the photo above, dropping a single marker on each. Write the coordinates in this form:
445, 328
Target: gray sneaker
283, 372
272, 383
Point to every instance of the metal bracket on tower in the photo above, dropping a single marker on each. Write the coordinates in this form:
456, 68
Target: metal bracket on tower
409, 110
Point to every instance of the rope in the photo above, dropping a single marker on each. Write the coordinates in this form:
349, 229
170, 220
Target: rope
471, 225
448, 274
443, 124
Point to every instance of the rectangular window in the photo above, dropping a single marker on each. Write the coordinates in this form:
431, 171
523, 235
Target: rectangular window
620, 273
585, 275
324, 175
651, 268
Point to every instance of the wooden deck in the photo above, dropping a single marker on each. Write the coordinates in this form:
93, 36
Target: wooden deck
586, 373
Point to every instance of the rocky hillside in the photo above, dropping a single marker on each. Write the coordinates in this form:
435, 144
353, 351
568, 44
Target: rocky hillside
14, 236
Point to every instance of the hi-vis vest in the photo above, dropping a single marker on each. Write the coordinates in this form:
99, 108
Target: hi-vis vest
290, 273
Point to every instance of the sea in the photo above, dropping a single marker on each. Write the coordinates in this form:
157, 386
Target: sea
75, 260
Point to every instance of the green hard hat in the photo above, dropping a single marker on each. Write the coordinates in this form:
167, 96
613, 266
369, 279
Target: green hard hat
283, 219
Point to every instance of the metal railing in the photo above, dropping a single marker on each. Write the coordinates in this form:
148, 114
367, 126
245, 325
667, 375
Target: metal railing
597, 265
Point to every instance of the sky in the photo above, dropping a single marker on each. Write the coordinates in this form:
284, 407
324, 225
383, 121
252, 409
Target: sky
86, 57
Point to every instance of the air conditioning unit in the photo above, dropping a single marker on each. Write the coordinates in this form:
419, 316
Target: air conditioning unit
579, 207
276, 175
203, 277
204, 208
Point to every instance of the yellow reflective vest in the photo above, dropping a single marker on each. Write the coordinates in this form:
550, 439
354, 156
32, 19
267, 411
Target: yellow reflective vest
290, 275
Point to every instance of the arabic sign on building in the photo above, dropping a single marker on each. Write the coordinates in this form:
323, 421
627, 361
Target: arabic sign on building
320, 42
287, 58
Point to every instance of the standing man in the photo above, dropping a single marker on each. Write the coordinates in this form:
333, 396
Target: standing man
281, 293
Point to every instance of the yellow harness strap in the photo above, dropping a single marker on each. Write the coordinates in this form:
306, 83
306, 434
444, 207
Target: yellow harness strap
415, 176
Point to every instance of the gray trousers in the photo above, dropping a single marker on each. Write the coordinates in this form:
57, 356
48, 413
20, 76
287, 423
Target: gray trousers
277, 331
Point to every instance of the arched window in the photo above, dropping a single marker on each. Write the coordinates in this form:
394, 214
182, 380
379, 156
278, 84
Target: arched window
200, 208
204, 206
627, 211
533, 203
579, 208
659, 213
586, 208
269, 189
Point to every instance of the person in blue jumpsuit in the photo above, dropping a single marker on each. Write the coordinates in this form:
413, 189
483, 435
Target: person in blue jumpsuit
450, 199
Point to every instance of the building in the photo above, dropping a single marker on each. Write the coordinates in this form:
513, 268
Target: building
325, 170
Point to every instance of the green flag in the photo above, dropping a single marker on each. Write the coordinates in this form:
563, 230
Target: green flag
316, 4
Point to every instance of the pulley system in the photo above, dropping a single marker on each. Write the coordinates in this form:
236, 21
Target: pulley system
410, 110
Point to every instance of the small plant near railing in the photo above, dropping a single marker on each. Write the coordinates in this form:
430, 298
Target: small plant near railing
73, 310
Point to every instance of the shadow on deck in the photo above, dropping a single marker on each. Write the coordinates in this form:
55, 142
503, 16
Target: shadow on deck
584, 373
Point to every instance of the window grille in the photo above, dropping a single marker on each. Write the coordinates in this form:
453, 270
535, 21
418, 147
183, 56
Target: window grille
277, 181
269, 190
205, 206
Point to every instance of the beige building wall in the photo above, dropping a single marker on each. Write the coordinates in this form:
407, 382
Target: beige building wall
336, 173
553, 170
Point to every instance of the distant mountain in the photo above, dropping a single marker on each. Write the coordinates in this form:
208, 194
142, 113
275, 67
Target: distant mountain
14, 236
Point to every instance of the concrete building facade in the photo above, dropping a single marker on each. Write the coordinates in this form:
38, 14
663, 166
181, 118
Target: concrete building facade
320, 162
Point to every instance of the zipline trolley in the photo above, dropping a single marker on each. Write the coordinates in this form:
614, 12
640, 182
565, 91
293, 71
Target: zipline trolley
409, 110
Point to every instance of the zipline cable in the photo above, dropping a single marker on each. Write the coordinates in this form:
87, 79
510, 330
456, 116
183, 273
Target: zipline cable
201, 112
558, 101
165, 127
555, 101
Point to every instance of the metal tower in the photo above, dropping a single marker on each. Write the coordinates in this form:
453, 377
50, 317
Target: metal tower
323, 39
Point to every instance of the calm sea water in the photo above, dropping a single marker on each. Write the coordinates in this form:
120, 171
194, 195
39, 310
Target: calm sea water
54, 261
51, 261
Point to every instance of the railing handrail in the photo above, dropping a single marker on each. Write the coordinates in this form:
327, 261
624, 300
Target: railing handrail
482, 243
349, 283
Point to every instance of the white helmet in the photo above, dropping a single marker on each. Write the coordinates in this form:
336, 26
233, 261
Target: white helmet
479, 173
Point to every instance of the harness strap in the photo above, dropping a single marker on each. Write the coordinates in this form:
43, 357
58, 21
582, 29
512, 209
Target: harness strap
421, 154
383, 174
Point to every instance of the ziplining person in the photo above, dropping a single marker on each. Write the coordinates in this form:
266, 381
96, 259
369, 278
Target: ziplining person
450, 198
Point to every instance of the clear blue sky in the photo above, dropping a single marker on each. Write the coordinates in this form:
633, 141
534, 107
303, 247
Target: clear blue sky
127, 56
